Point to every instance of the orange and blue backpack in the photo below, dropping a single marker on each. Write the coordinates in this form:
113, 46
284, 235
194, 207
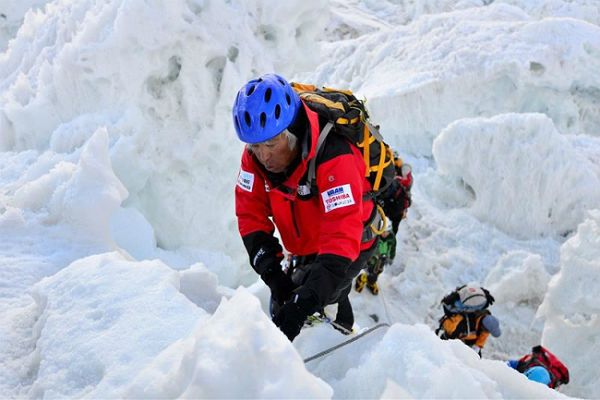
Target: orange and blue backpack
464, 311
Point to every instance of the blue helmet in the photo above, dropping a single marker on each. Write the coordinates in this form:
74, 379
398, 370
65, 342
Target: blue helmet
538, 374
264, 107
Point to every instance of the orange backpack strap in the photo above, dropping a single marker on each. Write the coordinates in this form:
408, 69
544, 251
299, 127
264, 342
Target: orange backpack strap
455, 326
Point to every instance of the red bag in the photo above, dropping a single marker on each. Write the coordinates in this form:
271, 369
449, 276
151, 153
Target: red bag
559, 374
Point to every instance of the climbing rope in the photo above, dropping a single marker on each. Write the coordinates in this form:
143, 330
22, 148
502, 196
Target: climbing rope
355, 338
385, 307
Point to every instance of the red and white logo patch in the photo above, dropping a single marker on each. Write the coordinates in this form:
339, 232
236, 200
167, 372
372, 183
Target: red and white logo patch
245, 180
337, 197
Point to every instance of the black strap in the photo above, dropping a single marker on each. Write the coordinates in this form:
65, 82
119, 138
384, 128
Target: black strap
313, 162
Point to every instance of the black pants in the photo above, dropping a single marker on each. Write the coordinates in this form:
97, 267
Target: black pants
345, 315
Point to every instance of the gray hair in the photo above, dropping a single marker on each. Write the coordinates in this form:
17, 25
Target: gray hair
291, 139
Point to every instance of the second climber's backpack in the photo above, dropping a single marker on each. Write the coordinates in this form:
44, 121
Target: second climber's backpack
348, 117
465, 327
464, 309
559, 374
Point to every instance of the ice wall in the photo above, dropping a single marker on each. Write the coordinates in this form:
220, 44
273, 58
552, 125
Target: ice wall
571, 308
12, 14
525, 177
160, 78
354, 18
95, 326
420, 77
213, 363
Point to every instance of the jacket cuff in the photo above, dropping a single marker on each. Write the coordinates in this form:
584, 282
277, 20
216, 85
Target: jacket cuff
264, 251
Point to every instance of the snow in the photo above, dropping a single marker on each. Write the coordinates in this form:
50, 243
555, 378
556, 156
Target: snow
525, 177
201, 366
474, 62
121, 270
101, 300
570, 308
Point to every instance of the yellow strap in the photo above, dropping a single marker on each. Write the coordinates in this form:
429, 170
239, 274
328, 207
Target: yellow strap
397, 161
346, 121
315, 98
383, 221
377, 167
346, 92
306, 92
369, 141
366, 149
303, 87
381, 166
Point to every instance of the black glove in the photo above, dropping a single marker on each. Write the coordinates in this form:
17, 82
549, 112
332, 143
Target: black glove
300, 273
324, 279
292, 315
280, 284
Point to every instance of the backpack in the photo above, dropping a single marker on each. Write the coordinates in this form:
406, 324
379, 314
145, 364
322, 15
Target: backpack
559, 373
466, 327
348, 117
464, 309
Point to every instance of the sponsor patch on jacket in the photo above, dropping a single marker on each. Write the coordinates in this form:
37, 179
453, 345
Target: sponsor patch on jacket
245, 180
339, 196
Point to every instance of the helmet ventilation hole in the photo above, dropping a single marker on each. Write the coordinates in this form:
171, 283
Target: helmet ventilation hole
248, 119
277, 111
263, 119
288, 99
250, 90
267, 95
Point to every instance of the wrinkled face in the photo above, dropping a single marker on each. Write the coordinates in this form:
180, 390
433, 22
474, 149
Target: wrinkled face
274, 154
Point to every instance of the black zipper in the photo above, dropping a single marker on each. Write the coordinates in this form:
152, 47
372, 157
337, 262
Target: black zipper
294, 219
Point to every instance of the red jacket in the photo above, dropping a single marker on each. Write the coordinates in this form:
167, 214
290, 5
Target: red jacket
328, 222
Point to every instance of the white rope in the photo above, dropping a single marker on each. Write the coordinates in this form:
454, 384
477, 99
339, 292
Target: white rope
385, 308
